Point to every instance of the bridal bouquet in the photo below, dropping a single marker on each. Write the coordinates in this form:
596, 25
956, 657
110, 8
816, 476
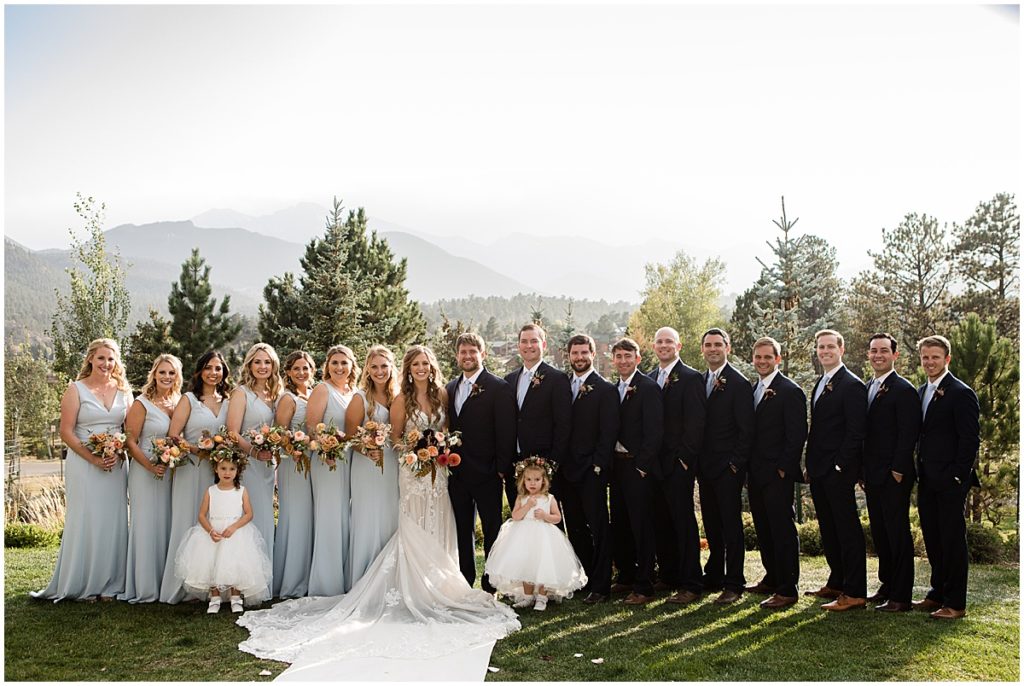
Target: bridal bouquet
426, 452
106, 446
222, 445
169, 451
273, 439
330, 443
296, 447
371, 436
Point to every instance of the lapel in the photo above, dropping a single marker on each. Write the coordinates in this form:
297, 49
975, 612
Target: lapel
479, 384
771, 386
532, 385
722, 378
944, 386
588, 381
879, 396
632, 386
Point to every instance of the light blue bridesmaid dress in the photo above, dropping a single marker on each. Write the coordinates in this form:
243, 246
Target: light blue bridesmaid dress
293, 541
94, 545
149, 528
374, 501
258, 477
188, 487
329, 572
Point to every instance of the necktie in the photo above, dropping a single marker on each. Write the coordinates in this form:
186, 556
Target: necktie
622, 390
821, 388
524, 386
464, 388
710, 382
662, 375
758, 392
576, 382
872, 391
929, 391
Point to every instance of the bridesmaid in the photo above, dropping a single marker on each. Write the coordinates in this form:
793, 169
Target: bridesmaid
251, 406
328, 573
93, 548
374, 492
204, 406
293, 542
149, 486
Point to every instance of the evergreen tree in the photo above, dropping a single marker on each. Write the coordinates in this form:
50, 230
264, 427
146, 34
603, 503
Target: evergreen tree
98, 303
987, 256
150, 338
491, 330
197, 324
990, 364
443, 345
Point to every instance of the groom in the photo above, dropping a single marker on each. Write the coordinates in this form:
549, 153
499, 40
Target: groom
483, 408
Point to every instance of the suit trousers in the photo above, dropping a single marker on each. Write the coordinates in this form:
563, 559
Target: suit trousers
889, 512
945, 538
841, 534
721, 507
632, 526
677, 538
585, 510
468, 500
771, 505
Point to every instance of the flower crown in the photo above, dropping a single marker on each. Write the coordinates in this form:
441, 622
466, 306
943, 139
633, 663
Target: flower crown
534, 461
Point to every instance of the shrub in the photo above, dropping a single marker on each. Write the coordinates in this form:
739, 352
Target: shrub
21, 535
749, 535
1012, 547
810, 537
984, 544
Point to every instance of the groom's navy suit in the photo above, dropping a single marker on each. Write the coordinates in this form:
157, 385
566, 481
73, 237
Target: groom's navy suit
487, 423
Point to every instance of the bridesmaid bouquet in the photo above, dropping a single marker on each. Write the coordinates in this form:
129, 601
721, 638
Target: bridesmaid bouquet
270, 438
296, 447
330, 443
371, 436
170, 451
107, 445
215, 447
427, 452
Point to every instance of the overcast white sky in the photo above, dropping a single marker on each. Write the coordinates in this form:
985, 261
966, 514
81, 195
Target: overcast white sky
623, 123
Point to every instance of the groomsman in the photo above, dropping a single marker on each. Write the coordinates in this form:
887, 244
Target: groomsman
634, 470
588, 465
544, 402
780, 429
946, 452
834, 446
482, 407
728, 438
890, 436
676, 535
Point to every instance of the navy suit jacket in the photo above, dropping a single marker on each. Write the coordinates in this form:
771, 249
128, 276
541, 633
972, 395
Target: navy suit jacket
780, 429
542, 423
728, 424
836, 436
683, 399
594, 430
950, 435
640, 423
487, 423
891, 432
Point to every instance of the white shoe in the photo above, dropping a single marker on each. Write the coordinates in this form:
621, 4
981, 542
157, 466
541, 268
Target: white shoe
214, 606
236, 604
524, 602
542, 603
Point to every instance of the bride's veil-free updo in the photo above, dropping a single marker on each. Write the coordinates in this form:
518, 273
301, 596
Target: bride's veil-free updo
434, 382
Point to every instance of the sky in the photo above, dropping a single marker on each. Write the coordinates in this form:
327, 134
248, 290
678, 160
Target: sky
683, 123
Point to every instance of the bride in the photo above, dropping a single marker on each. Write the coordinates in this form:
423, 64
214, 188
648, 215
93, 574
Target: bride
413, 601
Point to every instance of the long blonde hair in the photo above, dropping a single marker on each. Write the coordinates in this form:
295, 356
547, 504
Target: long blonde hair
117, 374
347, 352
366, 382
434, 383
149, 388
274, 385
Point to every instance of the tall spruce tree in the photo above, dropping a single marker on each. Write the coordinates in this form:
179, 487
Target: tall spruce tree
150, 338
98, 303
197, 323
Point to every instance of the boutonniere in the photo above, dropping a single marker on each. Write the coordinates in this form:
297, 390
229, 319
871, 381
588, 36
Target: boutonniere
939, 392
630, 390
828, 387
768, 393
584, 389
536, 380
476, 390
672, 378
882, 390
720, 383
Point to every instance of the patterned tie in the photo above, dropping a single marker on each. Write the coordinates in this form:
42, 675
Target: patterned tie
662, 375
460, 398
524, 386
758, 392
821, 389
576, 382
872, 391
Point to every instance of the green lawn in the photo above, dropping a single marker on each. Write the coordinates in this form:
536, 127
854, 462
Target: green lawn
116, 641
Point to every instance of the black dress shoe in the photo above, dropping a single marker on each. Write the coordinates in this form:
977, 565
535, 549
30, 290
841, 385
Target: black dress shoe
877, 598
595, 598
760, 588
662, 586
893, 606
621, 588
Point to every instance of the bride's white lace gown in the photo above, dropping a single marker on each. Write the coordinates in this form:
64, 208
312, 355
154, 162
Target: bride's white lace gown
413, 601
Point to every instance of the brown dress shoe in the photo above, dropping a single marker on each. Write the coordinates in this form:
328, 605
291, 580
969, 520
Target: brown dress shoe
825, 592
844, 603
893, 606
727, 598
637, 599
683, 598
947, 613
877, 598
594, 598
621, 588
926, 605
760, 588
661, 587
777, 602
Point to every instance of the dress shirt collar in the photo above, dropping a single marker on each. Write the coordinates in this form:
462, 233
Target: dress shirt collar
767, 381
475, 376
940, 379
881, 379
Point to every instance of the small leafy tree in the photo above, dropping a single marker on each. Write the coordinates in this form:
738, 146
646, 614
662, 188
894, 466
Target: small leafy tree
31, 398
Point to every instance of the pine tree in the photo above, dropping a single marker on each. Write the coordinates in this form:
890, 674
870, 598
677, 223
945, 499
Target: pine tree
197, 324
443, 345
150, 338
98, 304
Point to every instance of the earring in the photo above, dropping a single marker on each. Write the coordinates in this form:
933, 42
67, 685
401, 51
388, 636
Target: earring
431, 376
410, 378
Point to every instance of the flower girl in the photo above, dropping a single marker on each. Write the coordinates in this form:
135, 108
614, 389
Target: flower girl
531, 555
224, 551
